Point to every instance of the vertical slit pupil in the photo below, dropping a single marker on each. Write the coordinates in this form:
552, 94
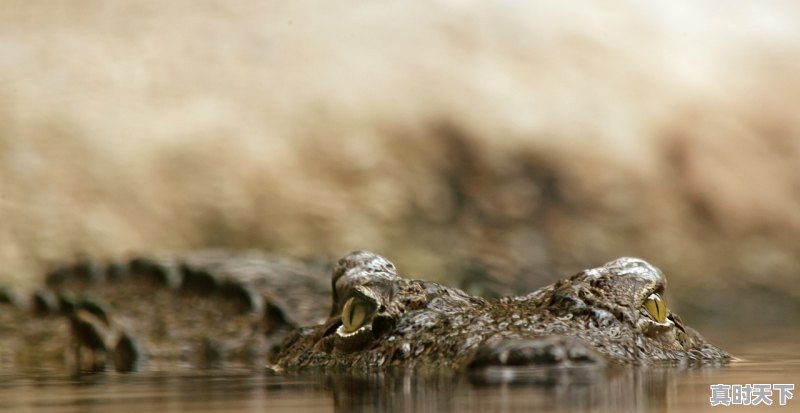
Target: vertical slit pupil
656, 307
355, 313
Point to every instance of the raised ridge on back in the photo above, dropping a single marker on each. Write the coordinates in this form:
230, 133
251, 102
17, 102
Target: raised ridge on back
210, 308
224, 309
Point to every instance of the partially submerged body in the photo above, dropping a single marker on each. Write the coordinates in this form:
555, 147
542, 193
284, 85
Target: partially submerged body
209, 309
613, 313
223, 310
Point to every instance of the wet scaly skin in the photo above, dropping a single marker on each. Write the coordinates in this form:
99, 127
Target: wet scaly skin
610, 314
216, 309
205, 309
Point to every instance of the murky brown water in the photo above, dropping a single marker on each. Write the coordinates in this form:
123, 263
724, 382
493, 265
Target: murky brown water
766, 358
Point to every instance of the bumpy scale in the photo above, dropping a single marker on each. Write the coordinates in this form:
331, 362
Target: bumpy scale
614, 313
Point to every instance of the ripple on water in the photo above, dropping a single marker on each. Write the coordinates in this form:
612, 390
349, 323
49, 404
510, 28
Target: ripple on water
627, 388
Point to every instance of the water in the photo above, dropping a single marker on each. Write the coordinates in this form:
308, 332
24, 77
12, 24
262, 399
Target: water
766, 358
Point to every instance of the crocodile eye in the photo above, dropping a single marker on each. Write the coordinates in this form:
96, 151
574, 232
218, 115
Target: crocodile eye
656, 308
356, 313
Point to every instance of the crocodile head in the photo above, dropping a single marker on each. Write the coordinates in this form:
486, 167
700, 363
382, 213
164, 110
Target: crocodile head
614, 313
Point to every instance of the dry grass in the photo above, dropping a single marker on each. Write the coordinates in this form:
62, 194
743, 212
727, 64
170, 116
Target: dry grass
522, 140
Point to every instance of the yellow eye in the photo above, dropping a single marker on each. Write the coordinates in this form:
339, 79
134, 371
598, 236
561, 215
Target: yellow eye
656, 307
355, 313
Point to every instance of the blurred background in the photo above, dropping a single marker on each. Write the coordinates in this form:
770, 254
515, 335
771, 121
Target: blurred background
493, 145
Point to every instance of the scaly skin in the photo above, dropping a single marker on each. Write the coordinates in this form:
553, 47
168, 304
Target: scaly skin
221, 309
596, 316
208, 309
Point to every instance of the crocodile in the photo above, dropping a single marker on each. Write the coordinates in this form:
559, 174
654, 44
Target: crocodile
225, 309
202, 309
611, 314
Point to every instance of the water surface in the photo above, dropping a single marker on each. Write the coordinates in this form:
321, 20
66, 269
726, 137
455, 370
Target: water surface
766, 358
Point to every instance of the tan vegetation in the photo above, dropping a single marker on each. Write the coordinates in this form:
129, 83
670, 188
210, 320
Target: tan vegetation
521, 141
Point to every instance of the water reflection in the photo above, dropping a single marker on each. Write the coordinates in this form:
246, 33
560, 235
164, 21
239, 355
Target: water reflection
551, 389
575, 389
